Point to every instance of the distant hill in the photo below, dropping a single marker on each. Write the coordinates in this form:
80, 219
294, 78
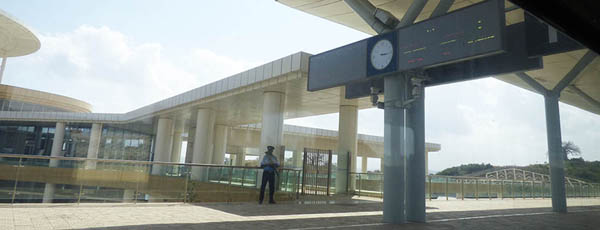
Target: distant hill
575, 168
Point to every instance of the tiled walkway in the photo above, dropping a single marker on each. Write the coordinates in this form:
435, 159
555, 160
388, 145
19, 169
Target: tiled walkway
356, 214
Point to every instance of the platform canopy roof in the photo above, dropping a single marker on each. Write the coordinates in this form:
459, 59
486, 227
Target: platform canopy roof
15, 39
582, 92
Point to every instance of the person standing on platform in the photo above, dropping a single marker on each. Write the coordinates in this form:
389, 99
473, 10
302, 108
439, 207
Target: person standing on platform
269, 164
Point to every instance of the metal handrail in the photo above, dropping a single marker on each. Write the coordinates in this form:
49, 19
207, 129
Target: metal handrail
3, 155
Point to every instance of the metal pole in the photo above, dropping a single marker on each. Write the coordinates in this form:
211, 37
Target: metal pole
16, 179
557, 172
359, 183
303, 171
329, 172
185, 194
512, 191
415, 157
476, 189
394, 150
490, 189
462, 189
229, 186
523, 188
80, 193
446, 188
502, 188
430, 192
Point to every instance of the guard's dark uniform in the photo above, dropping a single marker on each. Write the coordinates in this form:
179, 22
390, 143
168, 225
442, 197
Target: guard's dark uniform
269, 163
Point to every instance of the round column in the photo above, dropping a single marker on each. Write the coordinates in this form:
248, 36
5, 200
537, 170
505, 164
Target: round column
177, 139
347, 142
221, 132
57, 142
163, 145
205, 125
272, 122
94, 145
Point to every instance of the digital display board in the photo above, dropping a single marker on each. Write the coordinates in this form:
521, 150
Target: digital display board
464, 34
472, 32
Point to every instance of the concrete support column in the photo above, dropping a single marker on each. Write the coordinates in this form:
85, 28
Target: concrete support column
2, 67
364, 164
394, 151
177, 139
347, 142
94, 145
57, 143
221, 133
189, 152
203, 142
272, 122
297, 158
415, 160
240, 158
555, 155
163, 145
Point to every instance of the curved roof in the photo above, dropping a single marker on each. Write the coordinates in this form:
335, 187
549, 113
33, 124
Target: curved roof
45, 99
15, 39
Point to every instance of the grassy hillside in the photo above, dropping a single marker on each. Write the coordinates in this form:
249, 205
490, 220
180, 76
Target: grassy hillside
575, 168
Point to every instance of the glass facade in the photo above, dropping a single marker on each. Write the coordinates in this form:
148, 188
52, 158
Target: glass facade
36, 139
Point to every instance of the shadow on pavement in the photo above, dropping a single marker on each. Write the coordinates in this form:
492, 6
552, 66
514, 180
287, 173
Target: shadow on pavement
536, 218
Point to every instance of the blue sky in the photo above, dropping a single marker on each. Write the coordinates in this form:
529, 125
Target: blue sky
139, 52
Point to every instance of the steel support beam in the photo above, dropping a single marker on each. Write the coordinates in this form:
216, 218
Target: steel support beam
533, 83
557, 171
367, 12
575, 71
442, 8
412, 13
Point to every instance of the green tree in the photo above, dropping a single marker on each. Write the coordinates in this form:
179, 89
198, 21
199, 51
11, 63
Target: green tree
570, 150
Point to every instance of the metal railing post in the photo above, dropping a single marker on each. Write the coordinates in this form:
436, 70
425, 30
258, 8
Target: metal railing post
543, 192
446, 188
243, 176
430, 187
523, 188
489, 189
16, 181
229, 184
80, 193
502, 189
476, 189
186, 186
462, 189
359, 184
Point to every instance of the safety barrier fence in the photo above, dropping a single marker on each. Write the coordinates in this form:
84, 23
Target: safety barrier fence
456, 187
34, 179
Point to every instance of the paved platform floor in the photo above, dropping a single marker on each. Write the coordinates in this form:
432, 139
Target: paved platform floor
351, 214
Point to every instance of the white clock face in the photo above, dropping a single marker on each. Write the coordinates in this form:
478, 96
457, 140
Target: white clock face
381, 54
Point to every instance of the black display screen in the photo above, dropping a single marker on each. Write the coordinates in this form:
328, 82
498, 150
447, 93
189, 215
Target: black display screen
468, 33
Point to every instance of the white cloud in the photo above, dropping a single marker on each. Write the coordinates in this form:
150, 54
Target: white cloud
102, 66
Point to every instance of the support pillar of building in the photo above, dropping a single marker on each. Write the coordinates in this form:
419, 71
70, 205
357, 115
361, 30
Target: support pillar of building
297, 158
220, 138
2, 67
415, 158
57, 143
189, 152
364, 164
94, 145
240, 158
163, 145
177, 140
555, 154
347, 143
272, 122
394, 151
203, 142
